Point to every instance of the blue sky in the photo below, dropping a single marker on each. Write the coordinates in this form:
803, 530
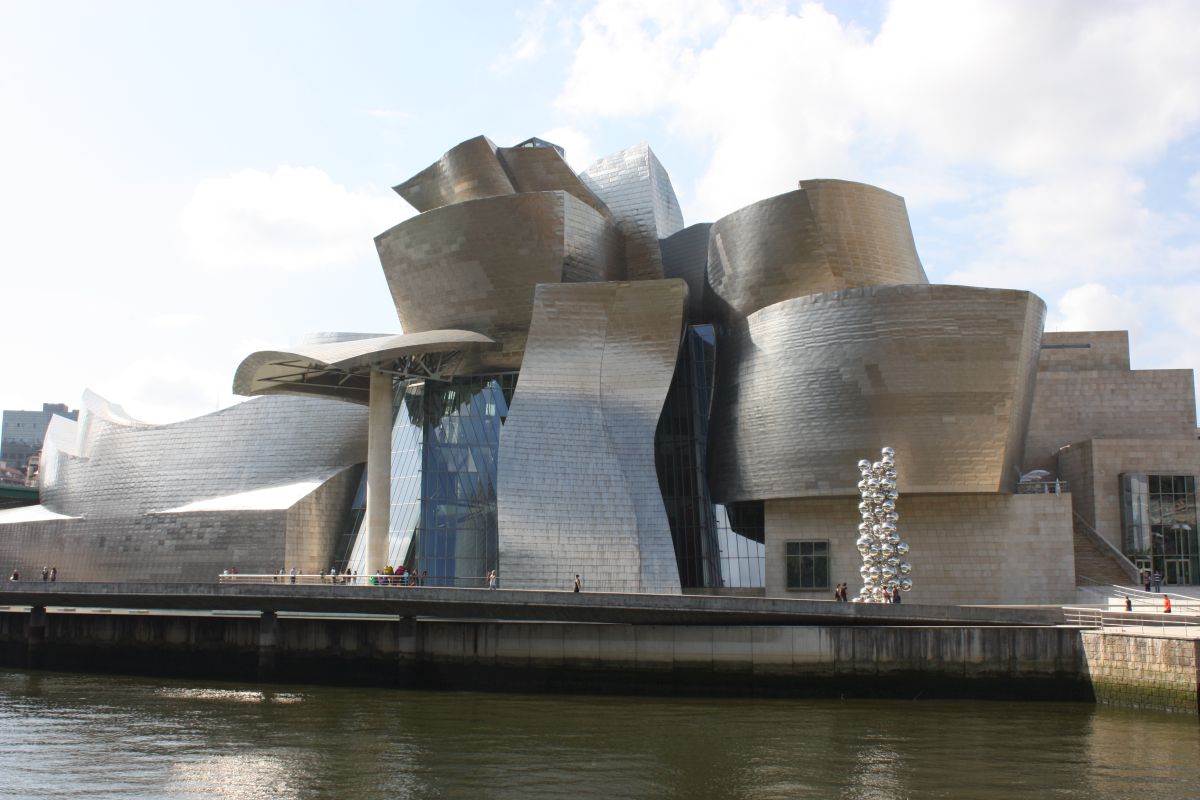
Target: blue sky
183, 183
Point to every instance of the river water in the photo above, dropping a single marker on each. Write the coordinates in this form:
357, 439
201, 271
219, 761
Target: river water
67, 735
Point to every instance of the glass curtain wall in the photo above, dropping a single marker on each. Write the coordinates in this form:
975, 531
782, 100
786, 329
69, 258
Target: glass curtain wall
1160, 525
715, 546
445, 443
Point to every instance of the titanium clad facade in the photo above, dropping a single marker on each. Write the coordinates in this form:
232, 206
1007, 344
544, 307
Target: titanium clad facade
944, 374
637, 189
577, 486
685, 256
473, 266
469, 171
261, 486
542, 169
826, 236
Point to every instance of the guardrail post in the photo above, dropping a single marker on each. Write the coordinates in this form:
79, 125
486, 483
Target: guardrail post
35, 637
268, 653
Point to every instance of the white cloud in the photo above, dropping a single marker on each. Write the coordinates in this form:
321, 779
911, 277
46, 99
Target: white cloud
579, 150
1093, 307
530, 44
1022, 88
295, 218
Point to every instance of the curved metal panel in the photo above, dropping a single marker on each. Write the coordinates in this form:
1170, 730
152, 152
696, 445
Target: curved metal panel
944, 374
828, 235
307, 369
123, 470
685, 256
578, 492
474, 265
637, 189
469, 171
542, 169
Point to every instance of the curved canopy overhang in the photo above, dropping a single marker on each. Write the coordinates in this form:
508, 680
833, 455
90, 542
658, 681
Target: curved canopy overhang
341, 370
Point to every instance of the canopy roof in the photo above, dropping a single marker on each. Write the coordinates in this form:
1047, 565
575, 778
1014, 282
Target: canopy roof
341, 370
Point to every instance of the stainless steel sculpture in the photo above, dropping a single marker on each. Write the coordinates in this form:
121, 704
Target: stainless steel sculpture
884, 567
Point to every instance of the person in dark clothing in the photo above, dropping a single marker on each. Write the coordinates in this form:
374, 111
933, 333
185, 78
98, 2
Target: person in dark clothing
578, 585
896, 595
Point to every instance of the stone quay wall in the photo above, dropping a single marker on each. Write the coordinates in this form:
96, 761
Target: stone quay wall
769, 660
1143, 672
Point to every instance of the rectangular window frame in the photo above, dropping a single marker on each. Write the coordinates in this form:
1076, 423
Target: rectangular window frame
807, 565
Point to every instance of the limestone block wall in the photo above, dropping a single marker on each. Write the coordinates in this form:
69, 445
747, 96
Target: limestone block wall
1143, 672
966, 549
1092, 469
1074, 405
1084, 351
188, 547
316, 522
577, 491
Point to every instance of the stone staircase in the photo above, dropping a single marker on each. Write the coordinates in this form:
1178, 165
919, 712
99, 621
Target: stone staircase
1093, 565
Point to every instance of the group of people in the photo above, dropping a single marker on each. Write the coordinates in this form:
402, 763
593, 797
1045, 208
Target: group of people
1152, 582
840, 594
48, 574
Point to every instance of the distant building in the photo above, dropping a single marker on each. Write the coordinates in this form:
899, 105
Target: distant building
22, 432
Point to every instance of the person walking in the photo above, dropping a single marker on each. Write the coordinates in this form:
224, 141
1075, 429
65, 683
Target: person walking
492, 579
1128, 603
45, 574
53, 574
578, 585
1156, 580
1166, 604
293, 574
896, 595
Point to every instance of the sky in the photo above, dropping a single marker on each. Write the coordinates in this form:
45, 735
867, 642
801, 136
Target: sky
183, 183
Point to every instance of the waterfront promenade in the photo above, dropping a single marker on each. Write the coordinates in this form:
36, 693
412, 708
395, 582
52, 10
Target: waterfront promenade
508, 604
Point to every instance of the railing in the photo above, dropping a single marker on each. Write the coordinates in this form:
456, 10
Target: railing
1128, 567
327, 579
1042, 487
408, 580
1180, 603
1143, 622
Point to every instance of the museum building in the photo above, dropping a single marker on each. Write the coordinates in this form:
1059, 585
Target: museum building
586, 386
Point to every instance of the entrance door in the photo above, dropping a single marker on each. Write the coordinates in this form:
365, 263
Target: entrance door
1178, 571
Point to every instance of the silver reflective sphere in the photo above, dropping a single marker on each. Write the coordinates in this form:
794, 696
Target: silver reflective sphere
902, 548
906, 584
887, 548
887, 451
889, 505
864, 464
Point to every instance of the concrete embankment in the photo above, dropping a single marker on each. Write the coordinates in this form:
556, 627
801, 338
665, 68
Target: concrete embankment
783, 660
1135, 670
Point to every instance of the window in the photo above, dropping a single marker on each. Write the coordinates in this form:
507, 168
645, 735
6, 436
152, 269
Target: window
807, 564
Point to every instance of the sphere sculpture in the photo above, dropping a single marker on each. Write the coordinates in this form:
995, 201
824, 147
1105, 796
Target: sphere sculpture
884, 568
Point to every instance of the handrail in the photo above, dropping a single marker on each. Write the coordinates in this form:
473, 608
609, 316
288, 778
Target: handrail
408, 579
1128, 567
1101, 619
